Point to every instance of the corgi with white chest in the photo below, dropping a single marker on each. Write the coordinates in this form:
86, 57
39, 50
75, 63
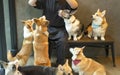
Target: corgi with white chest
26, 49
10, 67
73, 26
83, 65
40, 43
99, 25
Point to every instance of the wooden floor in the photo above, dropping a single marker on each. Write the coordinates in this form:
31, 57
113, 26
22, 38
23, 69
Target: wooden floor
106, 61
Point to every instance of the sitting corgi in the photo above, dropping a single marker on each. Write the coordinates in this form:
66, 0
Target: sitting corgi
99, 25
40, 43
83, 65
12, 68
26, 49
73, 26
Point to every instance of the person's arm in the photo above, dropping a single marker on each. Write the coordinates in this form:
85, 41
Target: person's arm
39, 4
73, 3
32, 2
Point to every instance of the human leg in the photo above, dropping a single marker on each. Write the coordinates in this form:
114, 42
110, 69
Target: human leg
61, 45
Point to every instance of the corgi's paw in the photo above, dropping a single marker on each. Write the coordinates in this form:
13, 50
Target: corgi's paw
79, 37
95, 38
69, 38
89, 36
75, 39
102, 38
81, 73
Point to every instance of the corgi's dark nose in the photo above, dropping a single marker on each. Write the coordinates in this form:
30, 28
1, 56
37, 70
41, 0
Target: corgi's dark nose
13, 67
68, 73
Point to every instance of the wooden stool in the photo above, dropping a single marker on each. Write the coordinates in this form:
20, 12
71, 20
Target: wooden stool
108, 44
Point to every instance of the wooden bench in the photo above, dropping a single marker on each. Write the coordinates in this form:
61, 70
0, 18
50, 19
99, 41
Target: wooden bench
108, 44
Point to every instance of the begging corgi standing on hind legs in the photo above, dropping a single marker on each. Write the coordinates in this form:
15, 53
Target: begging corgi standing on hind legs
99, 25
23, 55
40, 43
83, 65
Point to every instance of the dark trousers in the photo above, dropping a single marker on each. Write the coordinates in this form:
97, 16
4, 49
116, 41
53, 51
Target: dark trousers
58, 42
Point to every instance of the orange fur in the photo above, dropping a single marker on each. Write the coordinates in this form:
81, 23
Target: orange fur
85, 66
40, 43
26, 49
64, 69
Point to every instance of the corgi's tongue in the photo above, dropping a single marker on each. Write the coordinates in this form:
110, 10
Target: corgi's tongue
76, 61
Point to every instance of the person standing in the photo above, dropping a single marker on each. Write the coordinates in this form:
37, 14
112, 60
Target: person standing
57, 33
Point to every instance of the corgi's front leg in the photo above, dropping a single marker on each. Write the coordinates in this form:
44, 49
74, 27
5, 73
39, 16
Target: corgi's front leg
81, 73
102, 38
69, 36
75, 37
95, 38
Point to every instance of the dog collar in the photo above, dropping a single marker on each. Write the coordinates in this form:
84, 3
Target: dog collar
95, 25
76, 61
68, 17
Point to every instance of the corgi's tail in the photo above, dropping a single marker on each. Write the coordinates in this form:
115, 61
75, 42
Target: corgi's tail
80, 36
82, 32
10, 57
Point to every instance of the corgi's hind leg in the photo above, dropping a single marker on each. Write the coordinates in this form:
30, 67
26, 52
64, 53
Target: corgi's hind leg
99, 72
89, 34
102, 36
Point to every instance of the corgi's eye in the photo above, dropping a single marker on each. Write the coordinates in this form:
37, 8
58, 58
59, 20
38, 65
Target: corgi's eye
28, 27
97, 15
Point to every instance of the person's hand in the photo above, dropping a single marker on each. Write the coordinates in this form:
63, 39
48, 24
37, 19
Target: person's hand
72, 3
32, 2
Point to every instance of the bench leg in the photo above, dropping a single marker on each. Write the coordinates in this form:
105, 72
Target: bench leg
113, 56
107, 50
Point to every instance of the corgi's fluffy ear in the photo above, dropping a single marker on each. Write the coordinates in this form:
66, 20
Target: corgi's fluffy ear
71, 50
83, 47
103, 13
66, 63
60, 68
98, 10
27, 22
35, 20
5, 64
47, 22
23, 21
44, 17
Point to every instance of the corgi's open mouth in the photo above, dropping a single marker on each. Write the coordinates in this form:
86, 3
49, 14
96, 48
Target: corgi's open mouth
76, 61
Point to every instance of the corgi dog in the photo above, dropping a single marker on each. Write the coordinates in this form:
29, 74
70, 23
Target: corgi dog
99, 25
83, 65
40, 43
12, 68
72, 25
26, 49
45, 70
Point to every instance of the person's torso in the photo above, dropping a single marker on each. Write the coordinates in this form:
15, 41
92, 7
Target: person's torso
51, 12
